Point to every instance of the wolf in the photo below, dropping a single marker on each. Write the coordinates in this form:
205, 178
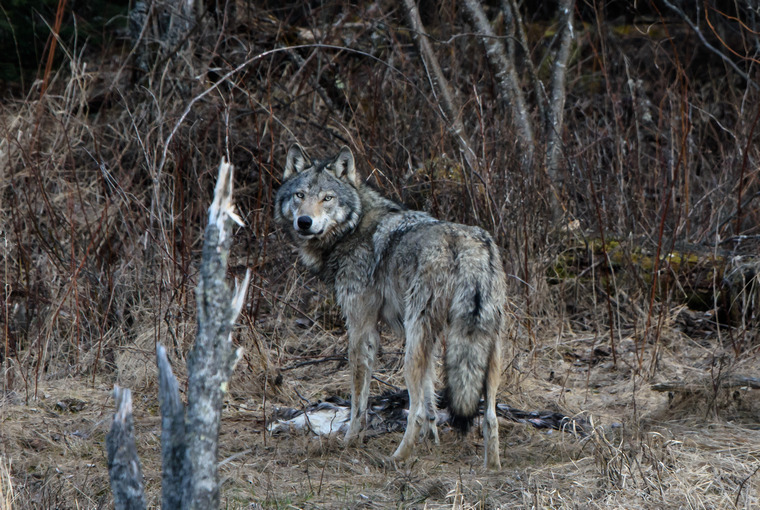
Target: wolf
440, 285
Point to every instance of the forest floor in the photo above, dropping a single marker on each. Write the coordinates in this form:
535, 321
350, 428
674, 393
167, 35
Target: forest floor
686, 449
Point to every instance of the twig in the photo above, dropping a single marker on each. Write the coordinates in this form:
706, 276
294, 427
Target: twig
393, 387
741, 486
709, 46
314, 362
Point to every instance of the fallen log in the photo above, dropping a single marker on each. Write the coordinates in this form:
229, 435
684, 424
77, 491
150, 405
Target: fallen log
734, 381
725, 281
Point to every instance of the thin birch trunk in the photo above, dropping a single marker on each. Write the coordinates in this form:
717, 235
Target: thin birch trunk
439, 84
515, 25
506, 77
556, 113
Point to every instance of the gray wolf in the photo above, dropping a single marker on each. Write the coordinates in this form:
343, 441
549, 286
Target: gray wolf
440, 285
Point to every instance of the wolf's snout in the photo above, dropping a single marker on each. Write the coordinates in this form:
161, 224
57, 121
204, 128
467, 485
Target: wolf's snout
304, 222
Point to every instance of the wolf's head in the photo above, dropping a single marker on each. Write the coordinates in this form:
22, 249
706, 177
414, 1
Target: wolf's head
318, 201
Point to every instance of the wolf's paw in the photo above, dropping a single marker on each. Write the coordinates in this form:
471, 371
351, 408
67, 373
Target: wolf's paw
351, 438
402, 452
493, 463
429, 430
355, 429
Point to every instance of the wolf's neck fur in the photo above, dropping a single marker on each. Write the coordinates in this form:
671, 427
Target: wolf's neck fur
321, 255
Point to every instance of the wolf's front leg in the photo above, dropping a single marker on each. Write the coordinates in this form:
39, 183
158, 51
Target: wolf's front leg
362, 351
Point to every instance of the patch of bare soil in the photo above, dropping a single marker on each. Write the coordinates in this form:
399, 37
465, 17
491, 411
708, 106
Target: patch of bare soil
648, 449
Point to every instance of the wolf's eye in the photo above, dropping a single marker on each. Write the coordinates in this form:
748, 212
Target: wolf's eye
327, 198
300, 195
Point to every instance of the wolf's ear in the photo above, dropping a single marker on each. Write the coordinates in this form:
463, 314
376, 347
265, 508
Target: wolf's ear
344, 167
297, 161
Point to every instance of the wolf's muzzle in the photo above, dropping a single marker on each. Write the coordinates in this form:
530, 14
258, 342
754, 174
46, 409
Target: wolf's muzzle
304, 223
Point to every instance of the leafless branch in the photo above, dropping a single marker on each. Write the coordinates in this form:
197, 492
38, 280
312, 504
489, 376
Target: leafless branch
506, 76
440, 85
709, 46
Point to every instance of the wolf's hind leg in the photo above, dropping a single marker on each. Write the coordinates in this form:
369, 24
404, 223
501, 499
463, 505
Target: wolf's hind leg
490, 422
430, 428
417, 363
363, 340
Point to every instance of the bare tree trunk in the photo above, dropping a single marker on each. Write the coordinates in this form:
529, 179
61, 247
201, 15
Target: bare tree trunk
189, 438
556, 113
506, 77
212, 358
440, 85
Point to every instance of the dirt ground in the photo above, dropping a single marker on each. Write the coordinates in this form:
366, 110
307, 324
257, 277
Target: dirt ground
694, 449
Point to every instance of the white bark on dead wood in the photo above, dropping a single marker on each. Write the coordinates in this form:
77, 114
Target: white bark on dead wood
506, 77
189, 437
123, 463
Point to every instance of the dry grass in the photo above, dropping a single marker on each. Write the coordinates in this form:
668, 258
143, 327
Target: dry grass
99, 240
646, 450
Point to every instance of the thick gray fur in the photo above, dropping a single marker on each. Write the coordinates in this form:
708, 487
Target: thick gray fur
438, 284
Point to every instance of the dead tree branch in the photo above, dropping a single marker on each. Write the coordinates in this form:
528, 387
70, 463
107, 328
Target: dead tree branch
123, 463
189, 436
172, 433
735, 381
440, 86
506, 76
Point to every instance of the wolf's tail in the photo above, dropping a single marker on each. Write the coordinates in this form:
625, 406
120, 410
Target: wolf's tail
475, 327
467, 364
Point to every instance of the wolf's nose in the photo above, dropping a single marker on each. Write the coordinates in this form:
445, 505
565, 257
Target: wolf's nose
304, 222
